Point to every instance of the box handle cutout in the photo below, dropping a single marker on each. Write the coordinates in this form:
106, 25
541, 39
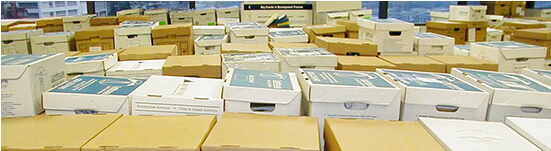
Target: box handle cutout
209, 47
203, 14
456, 29
7, 41
48, 43
521, 59
478, 29
446, 108
131, 36
327, 35
352, 53
227, 12
307, 67
439, 48
262, 107
528, 109
249, 37
356, 106
76, 22
395, 33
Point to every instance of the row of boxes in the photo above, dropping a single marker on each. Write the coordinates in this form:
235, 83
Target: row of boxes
197, 17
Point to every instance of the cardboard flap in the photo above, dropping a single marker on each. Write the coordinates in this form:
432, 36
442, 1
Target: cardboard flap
338, 15
515, 50
528, 53
361, 12
172, 30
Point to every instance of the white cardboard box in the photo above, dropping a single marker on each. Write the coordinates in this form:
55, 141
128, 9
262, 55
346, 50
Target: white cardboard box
293, 35
493, 34
130, 12
509, 55
468, 13
439, 16
547, 64
180, 17
331, 18
74, 23
475, 135
223, 21
298, 14
207, 30
544, 13
167, 95
58, 42
18, 42
494, 20
262, 92
433, 44
543, 76
133, 35
204, 17
391, 35
535, 130
137, 69
25, 77
157, 15
510, 94
209, 44
254, 34
229, 25
360, 14
292, 59
438, 95
91, 95
462, 50
227, 15
96, 64
251, 61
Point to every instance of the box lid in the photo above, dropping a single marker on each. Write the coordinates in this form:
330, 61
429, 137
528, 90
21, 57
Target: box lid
409, 60
385, 24
129, 11
245, 48
306, 56
324, 29
201, 12
37, 133
361, 13
344, 46
337, 15
538, 33
545, 73
447, 25
155, 11
264, 132
21, 34
209, 30
154, 133
360, 61
200, 89
211, 40
104, 20
133, 18
248, 57
49, 21
533, 129
77, 19
274, 45
441, 81
287, 33
423, 38
475, 135
180, 13
514, 50
192, 61
183, 29
96, 85
90, 63
135, 66
53, 37
15, 65
508, 81
351, 25
96, 32
134, 29
260, 30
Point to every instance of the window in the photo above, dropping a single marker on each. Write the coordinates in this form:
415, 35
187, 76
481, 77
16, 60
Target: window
61, 13
73, 12
28, 5
71, 3
111, 7
542, 4
216, 4
32, 15
416, 11
373, 5
473, 2
45, 14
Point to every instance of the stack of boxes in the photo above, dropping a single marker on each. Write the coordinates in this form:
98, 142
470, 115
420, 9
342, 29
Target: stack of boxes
177, 34
97, 38
432, 44
183, 16
227, 15
538, 36
74, 23
53, 24
133, 33
18, 42
58, 42
475, 19
391, 35
204, 17
458, 31
157, 15
509, 55
352, 28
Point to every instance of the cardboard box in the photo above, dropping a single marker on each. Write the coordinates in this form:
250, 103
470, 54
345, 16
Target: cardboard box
177, 34
137, 69
74, 23
229, 25
362, 63
274, 45
118, 51
293, 59
545, 13
331, 18
476, 31
498, 7
547, 64
436, 95
439, 16
523, 24
299, 14
157, 15
468, 62
23, 27
391, 35
509, 55
231, 14
416, 63
207, 30
360, 14
468, 135
182, 16
244, 48
25, 77
202, 66
533, 129
328, 6
51, 24
252, 61
456, 30
148, 52
6, 24
288, 36
133, 35
18, 42
72, 132
204, 17
133, 18
261, 92
468, 13
494, 20
494, 34
276, 131
543, 76
90, 64
347, 46
95, 38
351, 25
341, 134
337, 31
209, 44
433, 44
104, 21
129, 12
511, 94
518, 8
166, 95
462, 50
57, 42
539, 36
255, 34
91, 95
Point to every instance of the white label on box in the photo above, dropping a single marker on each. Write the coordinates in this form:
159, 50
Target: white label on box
517, 68
195, 109
8, 104
472, 34
392, 44
9, 50
94, 49
133, 43
49, 50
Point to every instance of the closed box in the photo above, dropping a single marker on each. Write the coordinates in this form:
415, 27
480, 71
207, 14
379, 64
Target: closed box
545, 13
74, 23
416, 63
202, 66
207, 30
91, 95
494, 20
523, 24
95, 38
157, 15
439, 16
518, 8
288, 36
253, 34
299, 14
438, 95
533, 129
228, 14
182, 16
104, 21
122, 19
476, 31
58, 42
462, 50
391, 35
494, 35
538, 36
252, 61
468, 62
133, 35
498, 7
148, 52
24, 78
313, 31
331, 18
136, 69
433, 44
209, 44
18, 42
509, 55
456, 30
510, 94
262, 92
292, 59
51, 24
130, 12
468, 13
347, 46
244, 48
204, 17
360, 14
166, 95
274, 45
90, 64
543, 76
177, 34
362, 63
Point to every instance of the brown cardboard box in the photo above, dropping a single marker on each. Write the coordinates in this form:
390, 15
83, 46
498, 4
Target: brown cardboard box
347, 46
362, 63
154, 133
337, 31
96, 38
51, 24
202, 66
479, 28
253, 132
352, 34
523, 25
22, 27
244, 48
342, 135
133, 18
450, 29
53, 133
7, 24
148, 52
273, 45
176, 34
537, 36
468, 62
351, 25
71, 53
118, 51
416, 63
518, 8
104, 21
498, 7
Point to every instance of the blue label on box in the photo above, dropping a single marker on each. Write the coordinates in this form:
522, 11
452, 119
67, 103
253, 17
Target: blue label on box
429, 35
347, 78
261, 79
287, 33
463, 47
22, 59
543, 72
431, 80
238, 57
505, 80
99, 85
304, 52
87, 58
